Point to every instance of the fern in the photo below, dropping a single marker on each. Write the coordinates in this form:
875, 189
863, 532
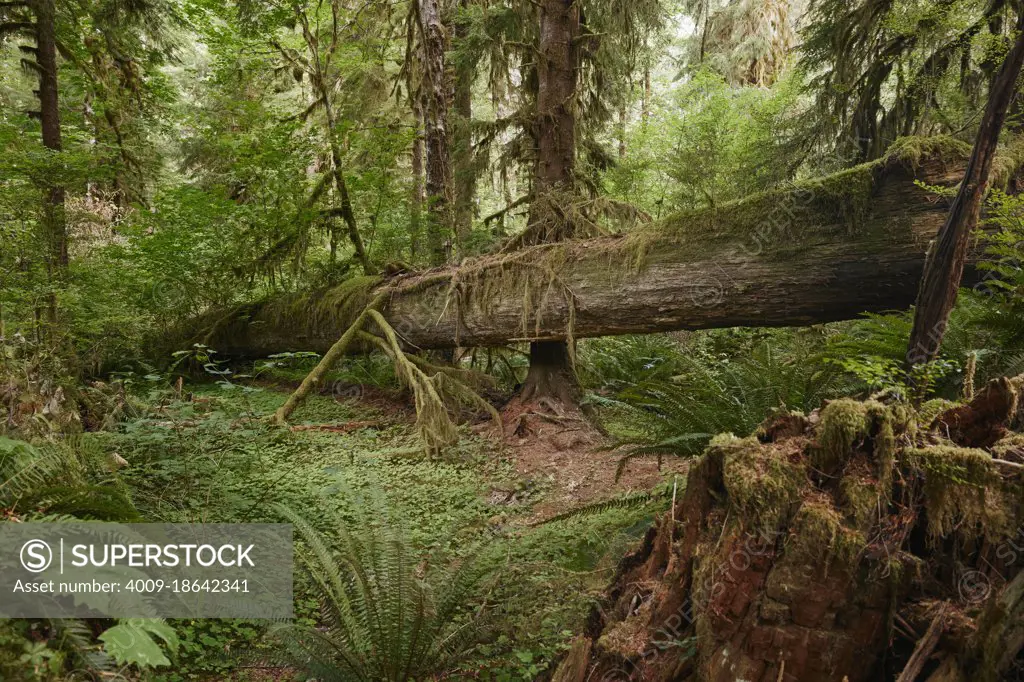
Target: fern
76, 637
627, 502
51, 479
680, 416
382, 621
25, 468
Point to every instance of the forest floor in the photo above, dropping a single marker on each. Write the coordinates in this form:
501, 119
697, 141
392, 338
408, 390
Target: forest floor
211, 456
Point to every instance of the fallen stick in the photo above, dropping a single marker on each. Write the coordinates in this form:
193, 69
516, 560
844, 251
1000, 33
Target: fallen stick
925, 647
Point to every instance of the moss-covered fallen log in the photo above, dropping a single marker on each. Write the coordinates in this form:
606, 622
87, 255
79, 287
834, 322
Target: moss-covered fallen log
823, 250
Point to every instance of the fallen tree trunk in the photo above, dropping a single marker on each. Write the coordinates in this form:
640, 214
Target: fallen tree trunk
824, 250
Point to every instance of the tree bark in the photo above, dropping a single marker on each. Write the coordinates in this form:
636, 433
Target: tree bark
417, 185
551, 374
945, 266
557, 63
465, 173
788, 258
435, 109
49, 110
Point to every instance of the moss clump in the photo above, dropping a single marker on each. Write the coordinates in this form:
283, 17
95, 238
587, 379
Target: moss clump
323, 312
911, 150
762, 482
770, 222
340, 305
843, 424
931, 409
1008, 161
818, 535
860, 498
1010, 448
963, 492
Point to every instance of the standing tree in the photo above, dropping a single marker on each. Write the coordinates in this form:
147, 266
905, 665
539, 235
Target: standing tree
551, 374
945, 266
37, 21
463, 72
323, 37
436, 102
581, 50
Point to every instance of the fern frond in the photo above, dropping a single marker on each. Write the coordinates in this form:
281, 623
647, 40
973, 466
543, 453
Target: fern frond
628, 502
383, 622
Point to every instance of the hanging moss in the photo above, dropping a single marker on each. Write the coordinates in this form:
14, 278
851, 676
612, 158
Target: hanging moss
963, 491
535, 272
761, 481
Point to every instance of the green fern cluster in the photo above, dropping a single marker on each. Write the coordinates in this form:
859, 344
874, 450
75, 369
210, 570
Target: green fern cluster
387, 616
616, 362
712, 396
54, 479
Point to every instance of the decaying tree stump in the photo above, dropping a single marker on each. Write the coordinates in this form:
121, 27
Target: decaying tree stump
854, 543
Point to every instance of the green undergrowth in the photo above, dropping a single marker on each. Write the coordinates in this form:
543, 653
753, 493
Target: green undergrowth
214, 458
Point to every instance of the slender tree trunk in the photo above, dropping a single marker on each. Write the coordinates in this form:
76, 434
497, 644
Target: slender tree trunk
347, 214
622, 130
645, 105
49, 109
465, 175
319, 83
945, 266
435, 108
417, 184
551, 374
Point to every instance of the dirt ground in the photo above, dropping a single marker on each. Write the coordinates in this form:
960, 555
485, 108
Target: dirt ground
576, 459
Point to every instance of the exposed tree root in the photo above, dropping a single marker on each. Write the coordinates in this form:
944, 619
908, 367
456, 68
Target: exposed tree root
854, 543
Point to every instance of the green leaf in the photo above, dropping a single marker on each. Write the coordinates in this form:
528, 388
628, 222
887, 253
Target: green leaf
131, 642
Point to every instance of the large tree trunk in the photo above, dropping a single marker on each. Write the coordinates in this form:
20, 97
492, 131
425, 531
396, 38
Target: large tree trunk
435, 110
49, 114
465, 173
551, 374
828, 249
416, 222
945, 266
